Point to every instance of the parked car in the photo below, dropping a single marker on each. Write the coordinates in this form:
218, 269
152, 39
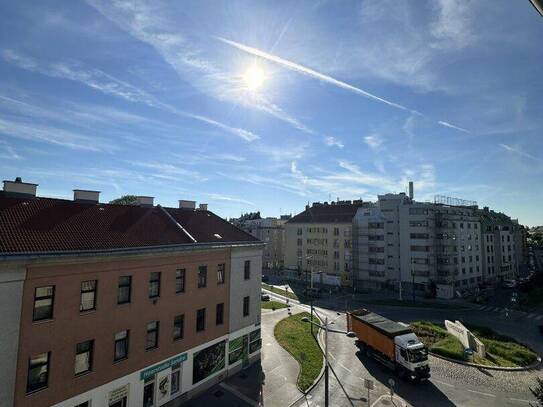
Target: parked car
509, 283
264, 296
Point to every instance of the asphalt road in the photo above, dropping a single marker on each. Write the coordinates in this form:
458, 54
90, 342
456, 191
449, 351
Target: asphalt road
451, 384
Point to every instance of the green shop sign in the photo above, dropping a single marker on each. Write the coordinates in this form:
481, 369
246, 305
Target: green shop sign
144, 375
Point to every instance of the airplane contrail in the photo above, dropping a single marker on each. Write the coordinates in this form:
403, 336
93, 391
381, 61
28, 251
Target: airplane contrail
325, 78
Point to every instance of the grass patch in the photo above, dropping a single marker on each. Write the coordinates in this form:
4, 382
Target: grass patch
272, 305
501, 350
280, 291
438, 340
417, 304
295, 336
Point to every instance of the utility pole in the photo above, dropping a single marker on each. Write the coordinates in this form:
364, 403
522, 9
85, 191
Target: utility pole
401, 297
311, 316
326, 361
413, 285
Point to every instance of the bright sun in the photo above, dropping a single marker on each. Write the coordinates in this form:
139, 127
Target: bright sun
254, 77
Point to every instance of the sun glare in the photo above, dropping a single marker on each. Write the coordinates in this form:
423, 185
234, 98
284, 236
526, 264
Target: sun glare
254, 77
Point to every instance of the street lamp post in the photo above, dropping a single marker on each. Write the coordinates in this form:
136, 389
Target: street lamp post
326, 330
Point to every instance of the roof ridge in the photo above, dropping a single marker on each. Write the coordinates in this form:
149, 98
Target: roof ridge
176, 223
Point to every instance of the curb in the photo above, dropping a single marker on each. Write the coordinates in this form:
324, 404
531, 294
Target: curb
503, 368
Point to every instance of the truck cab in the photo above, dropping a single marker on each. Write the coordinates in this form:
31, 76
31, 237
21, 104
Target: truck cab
411, 357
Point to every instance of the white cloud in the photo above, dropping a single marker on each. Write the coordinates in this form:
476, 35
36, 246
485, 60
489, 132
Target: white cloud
219, 197
452, 126
169, 171
146, 23
333, 142
452, 28
308, 71
374, 141
54, 135
9, 152
105, 83
519, 151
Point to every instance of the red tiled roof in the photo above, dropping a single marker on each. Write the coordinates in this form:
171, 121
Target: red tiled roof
30, 225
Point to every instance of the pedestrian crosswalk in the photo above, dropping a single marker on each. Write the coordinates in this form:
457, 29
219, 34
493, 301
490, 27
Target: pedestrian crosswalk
522, 314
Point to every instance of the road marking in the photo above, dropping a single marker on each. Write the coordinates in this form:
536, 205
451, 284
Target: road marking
521, 400
480, 392
443, 383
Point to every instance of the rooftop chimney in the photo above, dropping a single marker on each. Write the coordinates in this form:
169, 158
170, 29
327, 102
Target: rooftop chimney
187, 204
20, 188
202, 207
411, 190
86, 196
145, 201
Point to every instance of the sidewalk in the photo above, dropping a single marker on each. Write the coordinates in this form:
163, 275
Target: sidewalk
386, 401
280, 368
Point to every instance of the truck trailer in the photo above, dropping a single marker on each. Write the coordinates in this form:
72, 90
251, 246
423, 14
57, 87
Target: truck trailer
391, 343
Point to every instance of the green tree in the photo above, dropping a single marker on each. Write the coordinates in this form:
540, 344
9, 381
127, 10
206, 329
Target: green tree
125, 200
538, 393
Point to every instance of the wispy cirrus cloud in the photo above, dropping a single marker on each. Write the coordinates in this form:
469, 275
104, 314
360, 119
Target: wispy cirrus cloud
105, 83
323, 77
169, 171
520, 152
452, 126
7, 152
374, 141
54, 135
310, 72
231, 199
333, 142
146, 23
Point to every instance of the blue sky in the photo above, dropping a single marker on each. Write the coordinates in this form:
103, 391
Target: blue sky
355, 99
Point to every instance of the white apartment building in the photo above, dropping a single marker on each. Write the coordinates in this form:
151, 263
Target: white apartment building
271, 231
430, 247
319, 243
502, 246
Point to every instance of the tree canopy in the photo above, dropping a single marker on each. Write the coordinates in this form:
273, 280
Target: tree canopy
125, 200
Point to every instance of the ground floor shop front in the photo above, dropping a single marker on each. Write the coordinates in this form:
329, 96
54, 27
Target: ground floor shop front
179, 376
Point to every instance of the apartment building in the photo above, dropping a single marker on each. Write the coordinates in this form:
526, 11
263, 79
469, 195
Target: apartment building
319, 244
271, 231
428, 247
503, 246
121, 305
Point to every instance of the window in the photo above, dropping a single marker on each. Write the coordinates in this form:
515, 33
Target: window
299, 232
202, 276
83, 357
219, 314
124, 289
154, 285
299, 242
152, 335
38, 372
178, 327
247, 270
221, 271
180, 281
336, 231
200, 319
88, 296
419, 236
246, 306
121, 346
176, 375
43, 303
149, 394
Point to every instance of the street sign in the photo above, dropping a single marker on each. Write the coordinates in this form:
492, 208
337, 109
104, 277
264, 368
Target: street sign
368, 384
